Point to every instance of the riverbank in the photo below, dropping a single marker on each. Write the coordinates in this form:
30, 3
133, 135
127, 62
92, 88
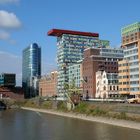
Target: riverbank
110, 121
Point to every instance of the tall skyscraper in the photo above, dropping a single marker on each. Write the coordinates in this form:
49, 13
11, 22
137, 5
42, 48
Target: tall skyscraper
70, 47
31, 68
129, 67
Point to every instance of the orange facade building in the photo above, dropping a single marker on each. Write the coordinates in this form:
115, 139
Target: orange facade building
129, 67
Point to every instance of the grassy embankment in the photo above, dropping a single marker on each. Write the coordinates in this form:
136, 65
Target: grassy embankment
109, 110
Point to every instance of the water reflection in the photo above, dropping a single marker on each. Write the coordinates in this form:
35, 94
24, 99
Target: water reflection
27, 125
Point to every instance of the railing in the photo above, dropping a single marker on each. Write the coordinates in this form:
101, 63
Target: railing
106, 100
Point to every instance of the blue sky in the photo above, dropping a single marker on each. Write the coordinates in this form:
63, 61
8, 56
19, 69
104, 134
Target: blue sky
26, 21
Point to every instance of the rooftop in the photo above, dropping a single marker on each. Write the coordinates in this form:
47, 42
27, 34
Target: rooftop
59, 32
130, 28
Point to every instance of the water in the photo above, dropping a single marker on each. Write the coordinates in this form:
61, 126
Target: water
28, 125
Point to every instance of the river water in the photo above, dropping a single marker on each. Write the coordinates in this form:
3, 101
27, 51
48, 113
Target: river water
28, 125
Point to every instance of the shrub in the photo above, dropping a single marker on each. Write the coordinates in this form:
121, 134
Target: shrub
122, 115
30, 103
47, 105
98, 111
62, 106
81, 108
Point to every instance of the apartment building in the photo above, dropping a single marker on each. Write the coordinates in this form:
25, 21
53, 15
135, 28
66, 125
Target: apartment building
129, 67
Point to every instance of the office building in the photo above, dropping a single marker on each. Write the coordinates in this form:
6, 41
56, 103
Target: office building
98, 59
70, 47
31, 68
129, 67
7, 79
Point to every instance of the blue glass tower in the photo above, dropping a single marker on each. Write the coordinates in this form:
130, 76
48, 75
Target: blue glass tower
31, 67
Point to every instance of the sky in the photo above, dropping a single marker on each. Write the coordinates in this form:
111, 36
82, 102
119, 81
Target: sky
23, 22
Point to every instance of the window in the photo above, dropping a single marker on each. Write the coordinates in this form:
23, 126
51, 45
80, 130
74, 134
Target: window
113, 87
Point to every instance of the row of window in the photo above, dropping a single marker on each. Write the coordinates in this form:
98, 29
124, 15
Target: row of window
131, 58
134, 76
124, 64
112, 55
110, 88
112, 50
123, 83
134, 70
125, 70
129, 89
130, 64
107, 68
130, 52
124, 89
112, 63
130, 39
127, 83
124, 77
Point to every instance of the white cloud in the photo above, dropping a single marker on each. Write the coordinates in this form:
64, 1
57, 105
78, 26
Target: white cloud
4, 35
8, 1
9, 20
12, 41
10, 63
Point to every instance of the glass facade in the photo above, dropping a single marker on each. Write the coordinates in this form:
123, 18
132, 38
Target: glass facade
75, 74
7, 79
31, 67
112, 52
1, 80
131, 56
132, 28
112, 78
